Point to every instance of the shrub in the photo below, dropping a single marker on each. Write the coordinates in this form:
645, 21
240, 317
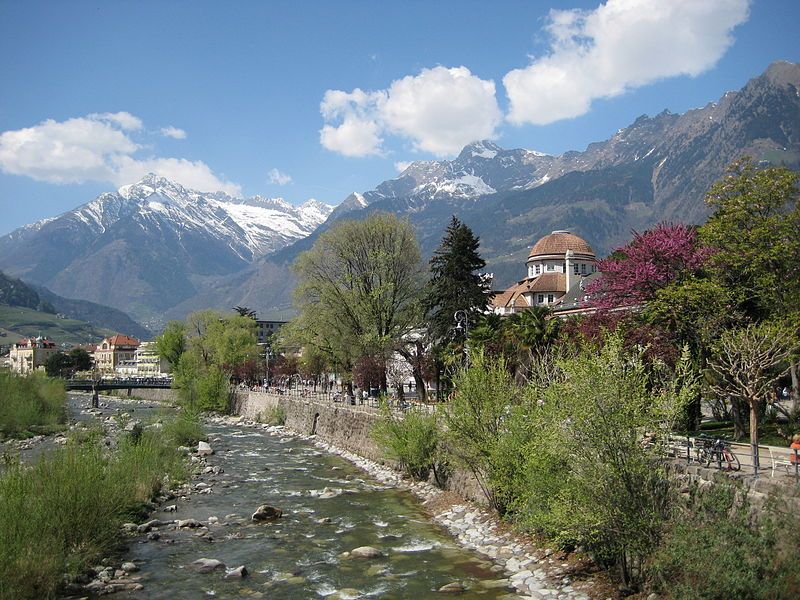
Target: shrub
184, 429
475, 417
713, 550
274, 416
63, 513
412, 440
30, 404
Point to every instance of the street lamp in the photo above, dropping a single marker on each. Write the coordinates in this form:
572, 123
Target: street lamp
461, 318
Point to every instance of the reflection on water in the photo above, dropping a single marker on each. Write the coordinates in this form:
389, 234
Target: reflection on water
329, 506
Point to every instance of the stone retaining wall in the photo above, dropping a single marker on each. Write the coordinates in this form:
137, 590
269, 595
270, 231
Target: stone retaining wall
347, 427
153, 394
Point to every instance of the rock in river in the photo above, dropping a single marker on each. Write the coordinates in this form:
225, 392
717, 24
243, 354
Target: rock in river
204, 449
237, 573
265, 512
206, 565
455, 587
366, 552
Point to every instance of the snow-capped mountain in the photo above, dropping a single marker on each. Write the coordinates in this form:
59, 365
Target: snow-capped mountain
148, 243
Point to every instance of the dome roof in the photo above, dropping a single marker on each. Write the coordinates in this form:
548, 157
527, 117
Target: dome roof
559, 242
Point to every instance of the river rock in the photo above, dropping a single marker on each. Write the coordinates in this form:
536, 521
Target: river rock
366, 552
204, 449
455, 587
237, 573
265, 512
129, 567
189, 523
206, 565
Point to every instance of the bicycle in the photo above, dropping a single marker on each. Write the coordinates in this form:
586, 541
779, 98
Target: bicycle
710, 450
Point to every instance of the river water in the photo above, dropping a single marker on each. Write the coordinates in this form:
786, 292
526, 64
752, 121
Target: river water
330, 507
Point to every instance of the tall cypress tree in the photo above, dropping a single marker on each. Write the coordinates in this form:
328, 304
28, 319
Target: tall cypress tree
456, 283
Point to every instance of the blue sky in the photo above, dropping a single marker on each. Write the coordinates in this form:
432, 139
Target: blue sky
236, 95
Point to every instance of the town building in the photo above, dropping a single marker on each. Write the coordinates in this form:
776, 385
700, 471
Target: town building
29, 355
113, 351
266, 329
146, 363
559, 267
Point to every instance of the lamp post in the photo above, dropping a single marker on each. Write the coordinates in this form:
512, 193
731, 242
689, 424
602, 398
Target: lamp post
461, 318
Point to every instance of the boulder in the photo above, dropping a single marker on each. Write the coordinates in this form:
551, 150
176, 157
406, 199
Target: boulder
204, 449
455, 587
206, 565
265, 512
366, 552
190, 523
129, 567
237, 573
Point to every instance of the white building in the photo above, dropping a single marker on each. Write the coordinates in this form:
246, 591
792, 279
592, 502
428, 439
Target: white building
558, 263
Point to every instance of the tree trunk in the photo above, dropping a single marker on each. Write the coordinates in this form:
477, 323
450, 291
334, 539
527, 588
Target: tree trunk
737, 412
793, 368
754, 435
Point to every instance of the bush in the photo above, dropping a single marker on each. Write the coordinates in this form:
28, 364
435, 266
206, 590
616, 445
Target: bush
274, 416
714, 551
63, 513
412, 440
184, 429
33, 404
475, 418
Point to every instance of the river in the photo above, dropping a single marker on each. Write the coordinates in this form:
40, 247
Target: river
330, 507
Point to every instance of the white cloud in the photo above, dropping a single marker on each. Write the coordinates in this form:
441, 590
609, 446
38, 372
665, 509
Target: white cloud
173, 132
194, 174
97, 147
440, 111
621, 45
402, 165
279, 178
125, 120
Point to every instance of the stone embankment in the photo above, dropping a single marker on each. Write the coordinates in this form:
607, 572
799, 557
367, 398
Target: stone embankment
533, 572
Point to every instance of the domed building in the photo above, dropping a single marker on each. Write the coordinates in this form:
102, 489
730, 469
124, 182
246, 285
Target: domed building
558, 263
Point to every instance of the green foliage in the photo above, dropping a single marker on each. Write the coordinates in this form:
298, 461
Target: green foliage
456, 282
754, 232
714, 551
63, 513
171, 344
81, 360
185, 429
587, 479
30, 404
17, 293
359, 290
58, 365
213, 390
475, 416
274, 416
411, 439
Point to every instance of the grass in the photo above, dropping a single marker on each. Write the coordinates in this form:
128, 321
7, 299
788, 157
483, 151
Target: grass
30, 405
18, 322
63, 514
274, 416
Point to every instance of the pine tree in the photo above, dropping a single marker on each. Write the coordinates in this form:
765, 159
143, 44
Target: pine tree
456, 282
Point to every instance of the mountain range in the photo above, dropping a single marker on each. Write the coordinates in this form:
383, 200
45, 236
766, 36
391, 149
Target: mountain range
159, 251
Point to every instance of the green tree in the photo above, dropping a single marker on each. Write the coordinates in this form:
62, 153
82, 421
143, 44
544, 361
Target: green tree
456, 282
753, 231
58, 365
359, 288
243, 311
171, 344
81, 360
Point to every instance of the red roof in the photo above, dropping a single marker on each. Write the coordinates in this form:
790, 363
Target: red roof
122, 340
558, 243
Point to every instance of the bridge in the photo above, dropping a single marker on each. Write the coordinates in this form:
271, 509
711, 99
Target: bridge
97, 385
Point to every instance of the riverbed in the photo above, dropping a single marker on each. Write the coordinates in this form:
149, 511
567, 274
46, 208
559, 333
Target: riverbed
329, 506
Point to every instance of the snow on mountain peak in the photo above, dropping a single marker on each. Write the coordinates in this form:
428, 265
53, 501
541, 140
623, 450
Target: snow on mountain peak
480, 149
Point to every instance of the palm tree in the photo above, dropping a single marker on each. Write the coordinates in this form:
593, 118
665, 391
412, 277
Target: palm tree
245, 312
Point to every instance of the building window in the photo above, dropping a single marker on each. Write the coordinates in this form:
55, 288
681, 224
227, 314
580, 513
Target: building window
563, 267
594, 268
538, 269
575, 268
583, 268
549, 298
551, 267
541, 298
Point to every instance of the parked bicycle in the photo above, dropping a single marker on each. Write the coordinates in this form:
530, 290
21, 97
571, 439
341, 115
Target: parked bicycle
710, 450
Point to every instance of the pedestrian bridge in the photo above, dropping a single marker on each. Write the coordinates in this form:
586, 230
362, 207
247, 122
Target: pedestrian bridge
96, 385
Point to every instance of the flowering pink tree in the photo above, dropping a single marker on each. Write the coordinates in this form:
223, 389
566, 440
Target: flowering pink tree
650, 261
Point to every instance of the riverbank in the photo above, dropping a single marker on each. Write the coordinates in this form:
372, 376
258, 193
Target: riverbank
535, 572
